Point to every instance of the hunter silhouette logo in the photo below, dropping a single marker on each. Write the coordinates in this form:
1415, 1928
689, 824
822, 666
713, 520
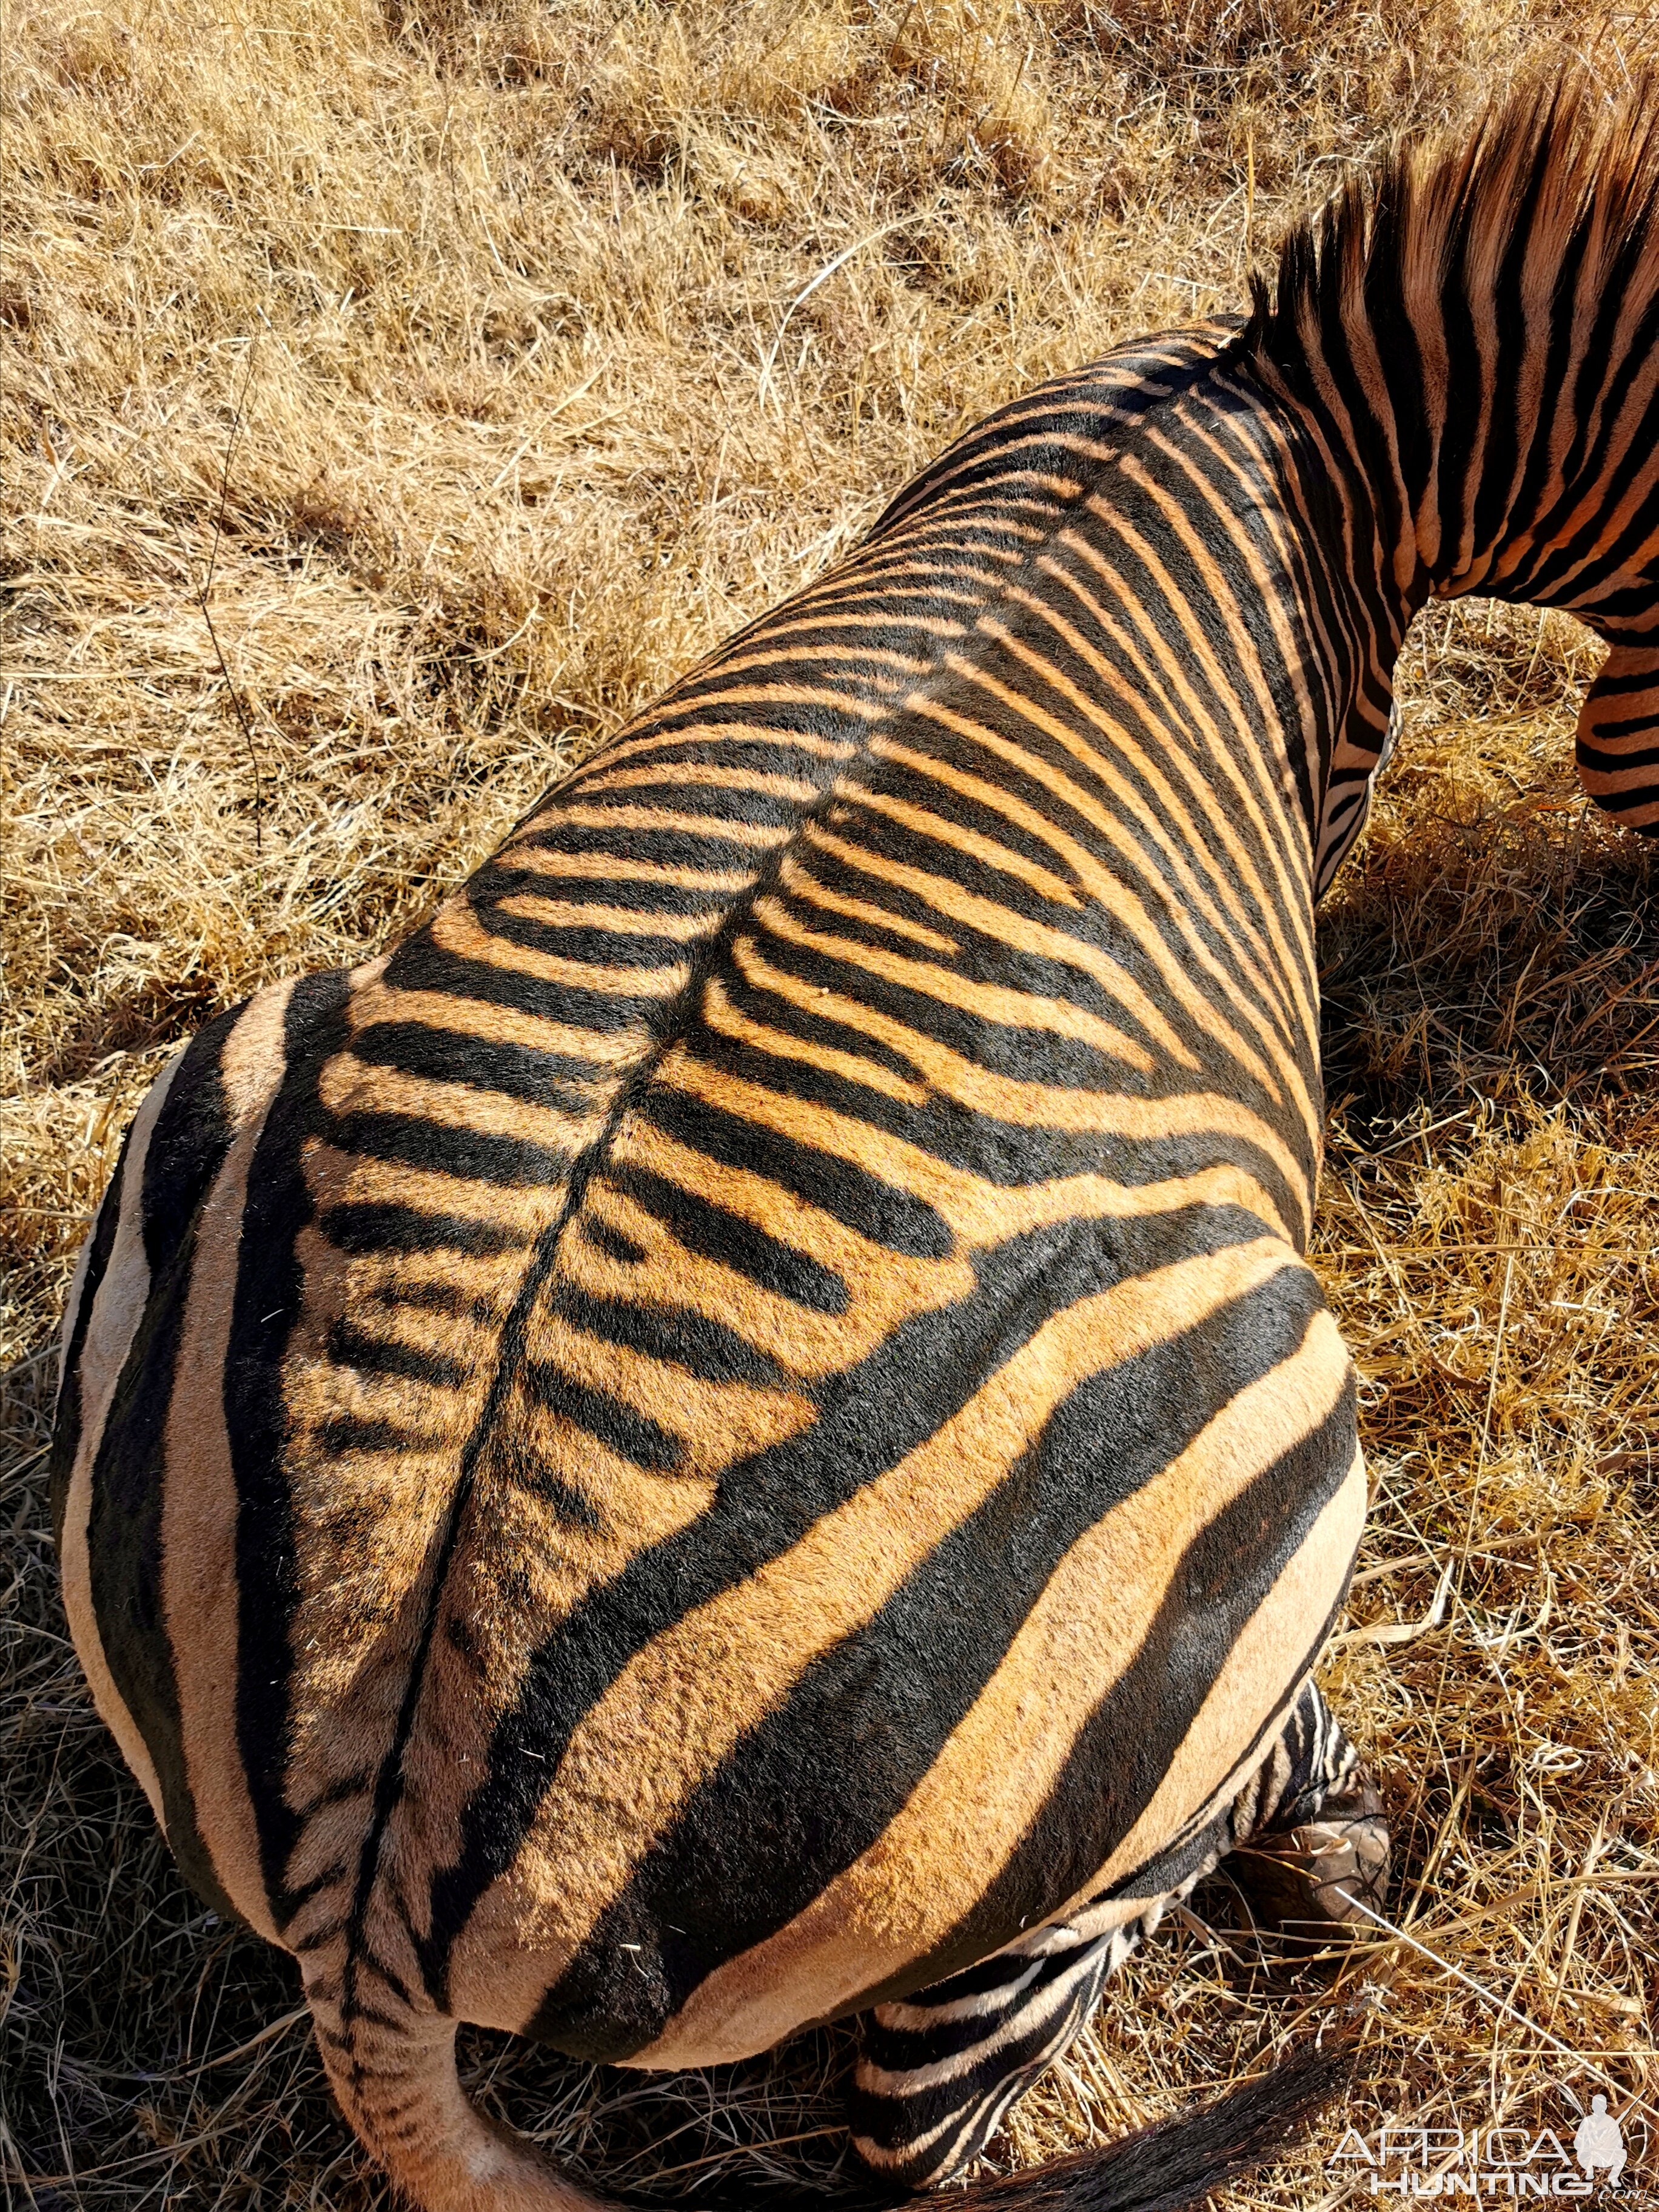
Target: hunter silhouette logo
1600, 2141
1488, 2161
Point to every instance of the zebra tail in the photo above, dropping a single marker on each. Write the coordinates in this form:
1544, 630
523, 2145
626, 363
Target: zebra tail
397, 2084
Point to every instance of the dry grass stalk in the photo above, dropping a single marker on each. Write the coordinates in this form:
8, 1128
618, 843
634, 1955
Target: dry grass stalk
542, 387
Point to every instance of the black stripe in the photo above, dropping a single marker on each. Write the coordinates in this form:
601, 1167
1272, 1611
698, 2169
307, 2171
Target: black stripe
1642, 678
876, 1210
364, 1227
514, 1463
611, 1242
188, 1144
442, 1297
421, 965
540, 1079
187, 1147
731, 1240
1595, 756
269, 1286
361, 1432
533, 871
354, 1347
701, 852
678, 1335
440, 1148
630, 1434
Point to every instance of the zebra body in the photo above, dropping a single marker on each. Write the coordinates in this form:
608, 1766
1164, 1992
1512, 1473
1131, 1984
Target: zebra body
742, 1422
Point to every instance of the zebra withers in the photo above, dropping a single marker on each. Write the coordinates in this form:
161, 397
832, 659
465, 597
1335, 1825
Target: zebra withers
738, 1431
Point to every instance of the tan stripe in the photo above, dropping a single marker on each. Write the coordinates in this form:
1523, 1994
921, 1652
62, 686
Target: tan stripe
714, 691
254, 1056
199, 1585
973, 455
624, 920
715, 829
803, 622
541, 866
705, 775
967, 1816
117, 1309
653, 739
866, 659
873, 587
359, 979
678, 1710
519, 1210
349, 1086
942, 541
424, 1417
457, 929
997, 1215
1629, 817
806, 1343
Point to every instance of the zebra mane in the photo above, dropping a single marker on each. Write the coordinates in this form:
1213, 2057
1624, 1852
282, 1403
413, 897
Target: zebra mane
1559, 169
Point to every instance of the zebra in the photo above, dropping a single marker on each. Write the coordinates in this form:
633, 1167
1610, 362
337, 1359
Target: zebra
738, 1431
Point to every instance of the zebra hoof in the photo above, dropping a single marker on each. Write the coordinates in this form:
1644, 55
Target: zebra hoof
1323, 1878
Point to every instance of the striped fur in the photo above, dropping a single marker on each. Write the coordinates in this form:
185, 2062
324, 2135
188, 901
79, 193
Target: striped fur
742, 1421
939, 2067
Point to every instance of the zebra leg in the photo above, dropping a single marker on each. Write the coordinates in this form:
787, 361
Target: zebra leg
936, 2073
1310, 1844
1304, 1838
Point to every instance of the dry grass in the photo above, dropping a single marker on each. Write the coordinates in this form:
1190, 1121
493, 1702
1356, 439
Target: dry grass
477, 364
